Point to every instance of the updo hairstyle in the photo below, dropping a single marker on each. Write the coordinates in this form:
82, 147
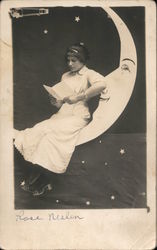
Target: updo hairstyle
79, 51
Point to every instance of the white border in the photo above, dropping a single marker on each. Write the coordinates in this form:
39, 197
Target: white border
100, 229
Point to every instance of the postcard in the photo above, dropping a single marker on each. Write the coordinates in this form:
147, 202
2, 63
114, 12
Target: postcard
80, 174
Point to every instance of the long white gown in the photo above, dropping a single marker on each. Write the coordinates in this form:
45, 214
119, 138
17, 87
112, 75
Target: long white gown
51, 143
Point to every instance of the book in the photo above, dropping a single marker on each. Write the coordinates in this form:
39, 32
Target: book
59, 91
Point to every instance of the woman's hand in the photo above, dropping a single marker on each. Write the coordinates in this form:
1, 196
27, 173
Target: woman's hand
58, 103
71, 99
55, 102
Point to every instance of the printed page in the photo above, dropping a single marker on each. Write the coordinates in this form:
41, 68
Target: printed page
59, 90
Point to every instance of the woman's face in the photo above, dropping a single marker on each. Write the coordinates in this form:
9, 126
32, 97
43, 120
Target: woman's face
74, 64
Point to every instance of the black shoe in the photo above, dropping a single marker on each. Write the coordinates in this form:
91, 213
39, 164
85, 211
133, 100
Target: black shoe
42, 191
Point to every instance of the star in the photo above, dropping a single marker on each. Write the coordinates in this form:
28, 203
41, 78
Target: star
57, 201
122, 151
112, 197
77, 19
83, 162
87, 203
143, 193
22, 183
45, 31
100, 141
106, 163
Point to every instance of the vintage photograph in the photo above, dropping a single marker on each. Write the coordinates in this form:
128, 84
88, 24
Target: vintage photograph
79, 69
78, 125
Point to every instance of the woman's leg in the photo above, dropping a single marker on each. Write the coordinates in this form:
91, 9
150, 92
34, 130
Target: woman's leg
32, 175
35, 177
44, 183
28, 172
38, 181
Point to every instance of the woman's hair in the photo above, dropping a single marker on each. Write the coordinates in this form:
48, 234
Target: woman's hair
79, 51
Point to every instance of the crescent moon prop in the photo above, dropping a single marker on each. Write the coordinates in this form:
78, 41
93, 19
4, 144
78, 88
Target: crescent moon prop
120, 85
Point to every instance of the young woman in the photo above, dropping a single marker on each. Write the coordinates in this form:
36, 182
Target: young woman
50, 144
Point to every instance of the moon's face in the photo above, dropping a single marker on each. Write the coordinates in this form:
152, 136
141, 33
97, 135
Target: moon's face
120, 85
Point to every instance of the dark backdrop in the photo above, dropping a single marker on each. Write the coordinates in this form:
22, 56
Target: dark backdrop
39, 59
97, 173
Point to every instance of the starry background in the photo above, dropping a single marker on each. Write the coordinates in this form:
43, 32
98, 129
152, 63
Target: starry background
109, 171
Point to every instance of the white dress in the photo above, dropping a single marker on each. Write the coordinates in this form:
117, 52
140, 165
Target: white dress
51, 142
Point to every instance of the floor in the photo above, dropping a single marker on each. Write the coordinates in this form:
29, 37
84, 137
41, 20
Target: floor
108, 172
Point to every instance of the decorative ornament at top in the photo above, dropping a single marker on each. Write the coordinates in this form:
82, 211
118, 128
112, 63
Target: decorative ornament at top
22, 12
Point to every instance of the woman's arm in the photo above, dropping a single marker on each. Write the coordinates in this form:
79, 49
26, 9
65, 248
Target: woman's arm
97, 85
92, 91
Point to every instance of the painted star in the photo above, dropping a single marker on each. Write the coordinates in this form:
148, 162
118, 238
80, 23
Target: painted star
83, 162
45, 31
22, 183
77, 19
143, 193
87, 203
112, 197
122, 151
106, 163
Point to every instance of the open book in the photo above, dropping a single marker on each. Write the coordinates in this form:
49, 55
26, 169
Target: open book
59, 91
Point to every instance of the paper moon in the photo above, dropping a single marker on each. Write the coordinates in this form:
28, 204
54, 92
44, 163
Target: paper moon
120, 84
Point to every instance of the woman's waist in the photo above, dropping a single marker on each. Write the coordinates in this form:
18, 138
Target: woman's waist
76, 108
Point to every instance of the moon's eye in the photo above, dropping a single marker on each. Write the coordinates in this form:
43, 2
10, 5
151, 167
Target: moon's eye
125, 67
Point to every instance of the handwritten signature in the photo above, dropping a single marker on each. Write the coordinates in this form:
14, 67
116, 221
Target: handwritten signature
21, 217
50, 217
66, 216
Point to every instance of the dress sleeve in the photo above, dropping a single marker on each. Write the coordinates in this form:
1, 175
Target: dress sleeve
94, 77
64, 76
